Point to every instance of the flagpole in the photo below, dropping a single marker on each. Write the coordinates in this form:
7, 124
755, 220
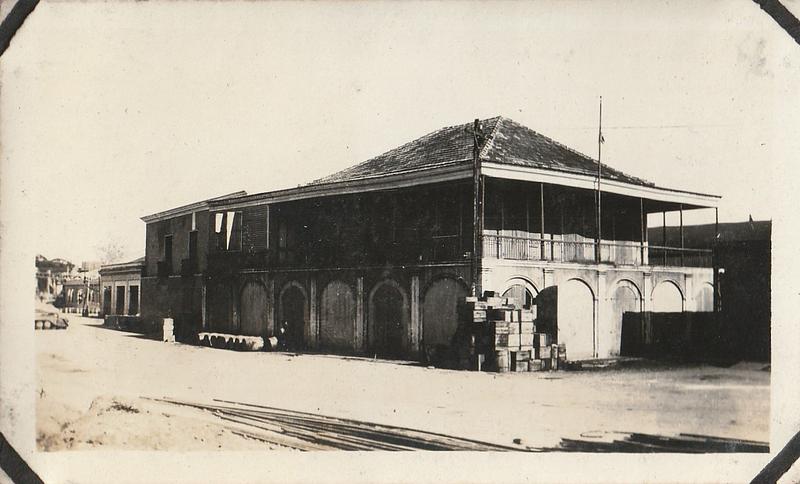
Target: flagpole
599, 176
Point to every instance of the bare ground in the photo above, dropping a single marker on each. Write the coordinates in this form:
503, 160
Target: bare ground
101, 388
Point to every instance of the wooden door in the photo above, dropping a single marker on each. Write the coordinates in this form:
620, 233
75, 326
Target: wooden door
337, 317
440, 312
253, 309
388, 335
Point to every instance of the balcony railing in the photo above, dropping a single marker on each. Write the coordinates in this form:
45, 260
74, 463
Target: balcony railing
615, 252
672, 256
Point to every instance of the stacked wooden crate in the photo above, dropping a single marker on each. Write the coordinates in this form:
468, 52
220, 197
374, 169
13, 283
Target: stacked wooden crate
498, 334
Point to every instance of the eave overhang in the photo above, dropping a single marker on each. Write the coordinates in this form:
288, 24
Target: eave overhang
688, 199
463, 170
187, 209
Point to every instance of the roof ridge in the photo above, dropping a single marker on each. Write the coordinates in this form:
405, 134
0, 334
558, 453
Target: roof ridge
415, 141
574, 151
490, 138
396, 148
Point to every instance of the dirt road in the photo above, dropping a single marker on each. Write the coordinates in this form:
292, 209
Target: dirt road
100, 388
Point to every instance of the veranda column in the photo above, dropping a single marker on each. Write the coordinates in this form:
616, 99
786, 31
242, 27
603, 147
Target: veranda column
203, 297
358, 331
603, 324
270, 283
127, 297
647, 290
415, 327
312, 313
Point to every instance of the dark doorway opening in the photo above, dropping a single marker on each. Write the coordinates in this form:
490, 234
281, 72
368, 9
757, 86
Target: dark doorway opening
293, 313
120, 308
388, 339
133, 304
106, 301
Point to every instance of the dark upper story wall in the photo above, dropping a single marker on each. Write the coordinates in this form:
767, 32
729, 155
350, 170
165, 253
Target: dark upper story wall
515, 208
179, 229
705, 235
417, 224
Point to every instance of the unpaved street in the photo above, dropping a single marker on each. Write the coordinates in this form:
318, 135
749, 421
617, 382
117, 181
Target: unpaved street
96, 389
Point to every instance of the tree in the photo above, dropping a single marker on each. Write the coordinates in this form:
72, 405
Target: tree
110, 252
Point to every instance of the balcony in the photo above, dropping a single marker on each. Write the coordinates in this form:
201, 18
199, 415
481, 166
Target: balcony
583, 251
230, 262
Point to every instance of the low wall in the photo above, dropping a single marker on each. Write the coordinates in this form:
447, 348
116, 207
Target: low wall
134, 324
695, 336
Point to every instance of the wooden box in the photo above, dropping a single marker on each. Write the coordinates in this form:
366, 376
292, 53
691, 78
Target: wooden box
542, 352
479, 315
536, 365
526, 339
499, 315
500, 327
495, 301
541, 339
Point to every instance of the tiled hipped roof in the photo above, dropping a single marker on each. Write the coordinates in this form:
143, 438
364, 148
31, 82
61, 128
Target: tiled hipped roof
507, 142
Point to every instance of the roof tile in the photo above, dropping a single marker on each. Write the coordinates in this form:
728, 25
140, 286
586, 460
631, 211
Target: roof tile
507, 142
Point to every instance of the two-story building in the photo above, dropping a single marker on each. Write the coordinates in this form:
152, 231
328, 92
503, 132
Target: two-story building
374, 259
175, 264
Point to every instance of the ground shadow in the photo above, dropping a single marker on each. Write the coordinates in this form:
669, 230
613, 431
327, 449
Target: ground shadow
308, 431
633, 442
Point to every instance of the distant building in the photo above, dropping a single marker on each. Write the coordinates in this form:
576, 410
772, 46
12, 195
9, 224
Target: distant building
50, 276
81, 295
121, 288
375, 258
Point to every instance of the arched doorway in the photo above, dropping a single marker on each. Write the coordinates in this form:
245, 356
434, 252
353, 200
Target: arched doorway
576, 319
388, 322
667, 298
440, 311
337, 317
253, 309
626, 305
521, 293
293, 313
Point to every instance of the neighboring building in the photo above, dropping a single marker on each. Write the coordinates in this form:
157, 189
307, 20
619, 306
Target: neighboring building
743, 265
375, 258
121, 288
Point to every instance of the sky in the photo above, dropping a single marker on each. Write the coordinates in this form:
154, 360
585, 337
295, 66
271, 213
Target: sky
110, 111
